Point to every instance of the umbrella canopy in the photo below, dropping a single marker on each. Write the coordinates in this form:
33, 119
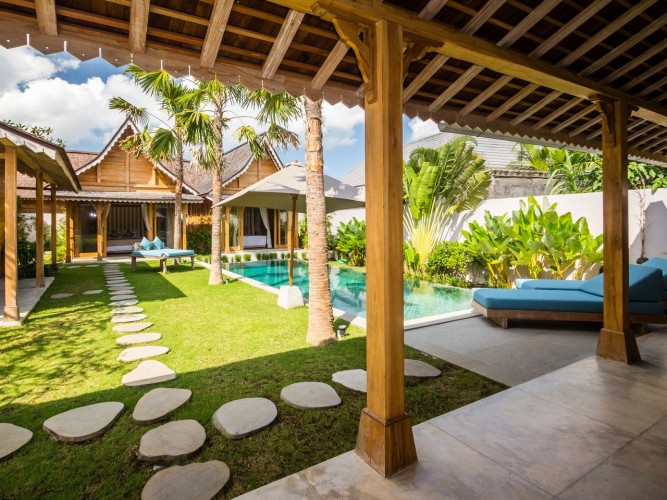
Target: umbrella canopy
276, 192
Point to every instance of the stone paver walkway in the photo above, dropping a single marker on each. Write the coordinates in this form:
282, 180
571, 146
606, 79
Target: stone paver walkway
148, 372
12, 438
242, 417
84, 423
138, 338
172, 441
352, 379
156, 405
200, 481
306, 395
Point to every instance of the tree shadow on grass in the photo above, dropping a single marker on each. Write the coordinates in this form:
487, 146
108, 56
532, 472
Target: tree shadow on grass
108, 467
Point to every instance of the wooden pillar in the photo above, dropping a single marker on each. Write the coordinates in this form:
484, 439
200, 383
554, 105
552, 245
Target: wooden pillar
99, 211
11, 310
616, 341
185, 226
69, 232
227, 214
54, 226
151, 218
385, 437
240, 232
290, 264
39, 231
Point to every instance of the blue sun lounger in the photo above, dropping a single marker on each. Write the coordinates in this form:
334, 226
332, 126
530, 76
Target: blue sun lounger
163, 254
573, 301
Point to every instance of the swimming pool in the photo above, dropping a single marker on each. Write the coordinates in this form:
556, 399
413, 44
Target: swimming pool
348, 288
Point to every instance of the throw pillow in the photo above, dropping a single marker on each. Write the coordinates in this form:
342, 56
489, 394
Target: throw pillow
157, 243
146, 244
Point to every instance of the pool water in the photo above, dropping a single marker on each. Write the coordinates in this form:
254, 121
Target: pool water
348, 288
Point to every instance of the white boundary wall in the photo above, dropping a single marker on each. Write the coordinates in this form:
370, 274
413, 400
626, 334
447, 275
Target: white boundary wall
587, 205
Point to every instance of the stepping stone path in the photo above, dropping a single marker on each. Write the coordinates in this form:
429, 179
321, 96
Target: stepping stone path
92, 265
122, 291
72, 267
138, 338
82, 424
156, 404
127, 310
172, 441
352, 379
148, 372
242, 417
12, 437
124, 297
305, 395
92, 292
61, 295
128, 318
147, 351
200, 481
132, 327
123, 303
416, 368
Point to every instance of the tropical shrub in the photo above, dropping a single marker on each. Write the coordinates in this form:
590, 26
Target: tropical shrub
198, 238
351, 244
247, 257
224, 259
449, 258
423, 235
533, 240
237, 257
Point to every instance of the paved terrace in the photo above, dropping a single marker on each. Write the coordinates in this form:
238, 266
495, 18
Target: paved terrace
591, 429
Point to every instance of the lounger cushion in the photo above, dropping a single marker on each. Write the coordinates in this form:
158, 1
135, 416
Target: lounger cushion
553, 300
157, 243
658, 263
164, 253
549, 284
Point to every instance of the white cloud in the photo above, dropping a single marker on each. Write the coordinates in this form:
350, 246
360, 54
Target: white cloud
21, 65
420, 129
340, 124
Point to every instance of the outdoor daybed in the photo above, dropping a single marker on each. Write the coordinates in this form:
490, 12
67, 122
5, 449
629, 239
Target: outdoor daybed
574, 301
156, 250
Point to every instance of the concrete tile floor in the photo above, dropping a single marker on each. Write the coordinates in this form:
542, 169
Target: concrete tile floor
27, 298
593, 429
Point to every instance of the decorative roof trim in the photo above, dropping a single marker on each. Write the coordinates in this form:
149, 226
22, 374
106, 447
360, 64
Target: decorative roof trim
98, 159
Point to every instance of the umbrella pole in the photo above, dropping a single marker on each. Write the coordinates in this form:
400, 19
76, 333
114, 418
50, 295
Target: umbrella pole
291, 253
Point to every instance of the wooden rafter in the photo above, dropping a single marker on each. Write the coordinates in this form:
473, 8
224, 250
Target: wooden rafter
432, 8
215, 32
46, 16
511, 37
330, 64
138, 25
438, 61
287, 31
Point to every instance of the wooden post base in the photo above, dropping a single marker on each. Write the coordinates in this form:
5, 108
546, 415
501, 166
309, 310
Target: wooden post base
387, 446
11, 313
618, 346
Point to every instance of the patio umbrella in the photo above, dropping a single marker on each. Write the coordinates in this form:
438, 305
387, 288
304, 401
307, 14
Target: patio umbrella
286, 190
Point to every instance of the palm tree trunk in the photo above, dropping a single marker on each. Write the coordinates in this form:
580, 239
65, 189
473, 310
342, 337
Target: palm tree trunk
215, 278
320, 313
178, 203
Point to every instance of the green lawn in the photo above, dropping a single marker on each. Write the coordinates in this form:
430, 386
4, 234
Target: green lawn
227, 342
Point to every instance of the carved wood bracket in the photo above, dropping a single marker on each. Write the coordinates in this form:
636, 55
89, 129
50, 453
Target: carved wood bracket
358, 38
606, 108
413, 52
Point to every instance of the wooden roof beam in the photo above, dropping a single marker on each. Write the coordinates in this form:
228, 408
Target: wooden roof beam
138, 25
432, 8
46, 17
330, 64
511, 37
215, 32
439, 61
282, 43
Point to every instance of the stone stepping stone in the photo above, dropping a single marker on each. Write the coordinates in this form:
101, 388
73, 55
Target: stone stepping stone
132, 327
242, 417
82, 424
117, 282
172, 441
128, 318
143, 352
156, 404
72, 267
138, 338
416, 368
113, 272
61, 295
92, 292
148, 372
92, 265
305, 395
121, 286
127, 310
122, 291
12, 438
124, 297
352, 379
201, 481
123, 303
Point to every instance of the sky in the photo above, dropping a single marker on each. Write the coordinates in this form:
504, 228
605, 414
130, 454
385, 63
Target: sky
72, 97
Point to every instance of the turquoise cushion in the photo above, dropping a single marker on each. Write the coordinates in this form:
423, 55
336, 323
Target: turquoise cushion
646, 284
658, 263
594, 286
157, 243
146, 244
553, 300
550, 284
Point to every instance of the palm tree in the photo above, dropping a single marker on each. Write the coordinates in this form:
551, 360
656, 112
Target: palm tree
207, 116
320, 312
167, 143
